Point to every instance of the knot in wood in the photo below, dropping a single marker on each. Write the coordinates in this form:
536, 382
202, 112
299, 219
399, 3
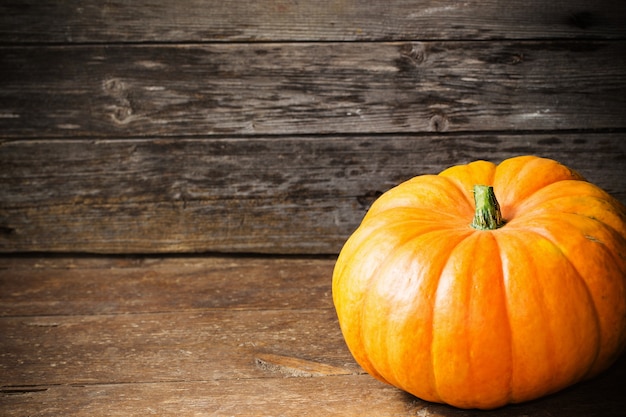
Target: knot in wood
414, 52
439, 123
114, 87
122, 114
122, 111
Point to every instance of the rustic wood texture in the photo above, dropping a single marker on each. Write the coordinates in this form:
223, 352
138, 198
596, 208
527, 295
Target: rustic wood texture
266, 127
182, 336
311, 88
287, 195
46, 21
269, 127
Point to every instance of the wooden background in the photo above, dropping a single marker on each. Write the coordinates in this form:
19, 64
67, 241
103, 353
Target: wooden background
177, 178
269, 126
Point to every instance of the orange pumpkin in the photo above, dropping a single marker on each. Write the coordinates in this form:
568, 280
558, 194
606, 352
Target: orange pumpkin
478, 306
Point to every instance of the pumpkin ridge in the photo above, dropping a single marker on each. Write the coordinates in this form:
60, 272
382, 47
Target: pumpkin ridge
435, 383
507, 310
541, 306
371, 276
390, 260
596, 315
538, 170
547, 236
608, 203
467, 194
616, 258
362, 360
458, 365
522, 205
562, 190
404, 195
464, 177
537, 213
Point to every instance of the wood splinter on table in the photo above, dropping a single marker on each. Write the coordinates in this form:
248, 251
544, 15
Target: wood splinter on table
295, 367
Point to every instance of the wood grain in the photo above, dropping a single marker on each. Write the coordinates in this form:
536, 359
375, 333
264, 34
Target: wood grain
69, 286
85, 339
45, 21
162, 347
341, 396
273, 195
244, 397
172, 128
310, 88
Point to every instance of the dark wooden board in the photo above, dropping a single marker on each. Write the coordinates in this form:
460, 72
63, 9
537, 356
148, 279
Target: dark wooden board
274, 195
83, 336
310, 88
346, 20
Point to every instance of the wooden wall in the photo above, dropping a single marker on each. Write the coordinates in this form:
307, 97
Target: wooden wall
155, 126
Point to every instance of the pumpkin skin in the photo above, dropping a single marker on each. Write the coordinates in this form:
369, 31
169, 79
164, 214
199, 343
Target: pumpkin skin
484, 318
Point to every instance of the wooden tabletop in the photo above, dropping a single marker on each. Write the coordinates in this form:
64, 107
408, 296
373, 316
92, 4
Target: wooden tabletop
205, 336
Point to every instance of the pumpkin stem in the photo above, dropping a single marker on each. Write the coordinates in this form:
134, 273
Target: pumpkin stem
487, 215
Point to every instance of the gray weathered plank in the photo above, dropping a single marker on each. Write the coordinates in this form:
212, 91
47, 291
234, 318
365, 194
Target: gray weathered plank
345, 20
310, 88
274, 195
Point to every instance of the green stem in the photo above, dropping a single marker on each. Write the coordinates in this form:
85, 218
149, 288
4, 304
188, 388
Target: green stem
487, 215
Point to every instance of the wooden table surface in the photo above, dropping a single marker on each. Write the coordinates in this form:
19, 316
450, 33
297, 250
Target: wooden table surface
206, 336
177, 178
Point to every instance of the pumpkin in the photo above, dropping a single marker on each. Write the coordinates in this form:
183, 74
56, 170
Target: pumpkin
486, 284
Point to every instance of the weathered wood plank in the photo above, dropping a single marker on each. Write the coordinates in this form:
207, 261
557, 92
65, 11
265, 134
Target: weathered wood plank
310, 88
346, 20
337, 396
161, 347
273, 195
31, 286
233, 361
345, 396
150, 319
